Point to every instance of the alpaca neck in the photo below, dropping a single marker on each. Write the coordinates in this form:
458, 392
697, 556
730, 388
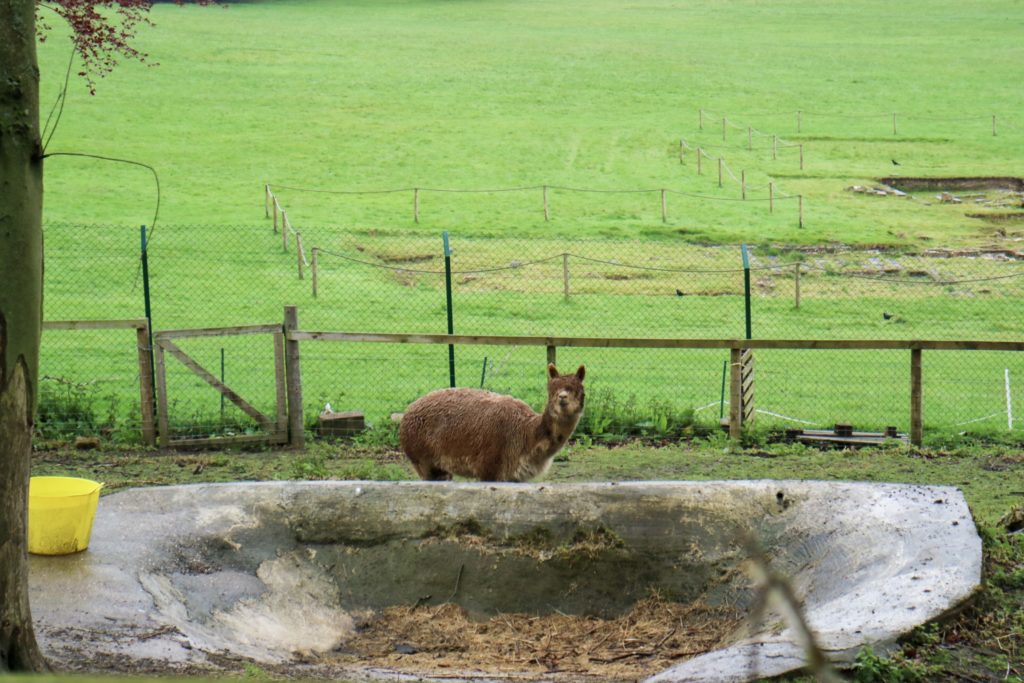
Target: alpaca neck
553, 430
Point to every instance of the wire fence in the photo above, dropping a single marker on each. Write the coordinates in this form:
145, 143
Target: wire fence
800, 121
373, 281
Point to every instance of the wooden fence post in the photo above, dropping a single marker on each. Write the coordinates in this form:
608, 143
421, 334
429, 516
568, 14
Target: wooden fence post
416, 205
296, 423
725, 122
799, 120
298, 252
701, 120
916, 417
719, 171
743, 184
313, 268
664, 208
801, 156
281, 387
993, 125
797, 282
146, 394
552, 355
266, 199
771, 197
800, 217
161, 396
750, 138
681, 141
547, 215
894, 123
735, 395
275, 207
565, 275
700, 153
285, 227
775, 147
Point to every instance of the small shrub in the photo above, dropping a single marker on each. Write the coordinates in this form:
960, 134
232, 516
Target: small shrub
873, 668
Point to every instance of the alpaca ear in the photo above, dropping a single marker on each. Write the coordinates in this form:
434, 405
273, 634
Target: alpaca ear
552, 370
581, 372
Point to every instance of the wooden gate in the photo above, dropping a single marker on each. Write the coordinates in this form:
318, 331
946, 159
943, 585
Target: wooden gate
273, 429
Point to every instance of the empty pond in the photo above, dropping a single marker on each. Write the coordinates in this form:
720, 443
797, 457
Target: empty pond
465, 579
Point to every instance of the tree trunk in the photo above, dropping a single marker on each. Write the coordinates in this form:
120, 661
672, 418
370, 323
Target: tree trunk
21, 275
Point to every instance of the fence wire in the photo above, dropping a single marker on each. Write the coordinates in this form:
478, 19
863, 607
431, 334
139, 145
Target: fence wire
377, 281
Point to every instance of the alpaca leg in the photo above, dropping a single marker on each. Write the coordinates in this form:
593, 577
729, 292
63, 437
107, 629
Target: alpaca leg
437, 474
427, 472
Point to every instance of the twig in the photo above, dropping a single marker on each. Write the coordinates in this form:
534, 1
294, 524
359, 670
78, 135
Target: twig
662, 641
458, 580
599, 643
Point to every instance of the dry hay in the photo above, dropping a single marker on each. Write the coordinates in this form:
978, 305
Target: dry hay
442, 639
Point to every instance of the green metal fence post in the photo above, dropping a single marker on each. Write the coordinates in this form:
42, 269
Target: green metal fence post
148, 304
448, 297
746, 288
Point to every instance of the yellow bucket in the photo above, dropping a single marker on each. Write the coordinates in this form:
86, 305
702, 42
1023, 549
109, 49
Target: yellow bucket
60, 514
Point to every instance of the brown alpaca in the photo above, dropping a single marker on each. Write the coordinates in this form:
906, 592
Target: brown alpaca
480, 434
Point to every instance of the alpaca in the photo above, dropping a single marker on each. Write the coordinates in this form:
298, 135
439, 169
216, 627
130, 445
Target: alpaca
480, 434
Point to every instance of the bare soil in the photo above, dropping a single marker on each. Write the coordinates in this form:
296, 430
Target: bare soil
908, 184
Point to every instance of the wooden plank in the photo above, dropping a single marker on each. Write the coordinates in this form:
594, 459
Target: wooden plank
293, 373
146, 395
854, 440
507, 340
280, 383
735, 413
656, 343
161, 396
553, 355
217, 331
916, 418
224, 390
133, 323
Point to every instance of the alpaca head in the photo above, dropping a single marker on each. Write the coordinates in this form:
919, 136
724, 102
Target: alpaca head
565, 393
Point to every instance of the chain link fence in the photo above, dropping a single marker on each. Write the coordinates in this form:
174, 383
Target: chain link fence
381, 281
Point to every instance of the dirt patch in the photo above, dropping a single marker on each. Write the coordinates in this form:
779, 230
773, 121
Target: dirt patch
998, 217
653, 635
405, 259
955, 183
624, 276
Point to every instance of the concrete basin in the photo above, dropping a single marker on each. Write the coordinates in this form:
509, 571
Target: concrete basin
195, 578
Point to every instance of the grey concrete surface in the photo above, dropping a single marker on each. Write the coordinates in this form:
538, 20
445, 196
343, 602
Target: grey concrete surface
200, 578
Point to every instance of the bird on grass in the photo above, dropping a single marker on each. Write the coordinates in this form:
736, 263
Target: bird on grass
895, 163
680, 292
887, 315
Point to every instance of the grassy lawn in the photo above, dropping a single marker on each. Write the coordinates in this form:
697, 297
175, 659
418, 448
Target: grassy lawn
985, 642
593, 95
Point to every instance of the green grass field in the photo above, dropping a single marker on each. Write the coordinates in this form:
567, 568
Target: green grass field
356, 96
360, 97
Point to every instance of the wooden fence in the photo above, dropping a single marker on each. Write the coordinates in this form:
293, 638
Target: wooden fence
287, 424
735, 346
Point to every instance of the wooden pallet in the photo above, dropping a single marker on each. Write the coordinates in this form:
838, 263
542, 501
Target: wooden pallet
843, 435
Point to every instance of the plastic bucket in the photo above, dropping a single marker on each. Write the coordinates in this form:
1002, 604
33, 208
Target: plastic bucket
60, 514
